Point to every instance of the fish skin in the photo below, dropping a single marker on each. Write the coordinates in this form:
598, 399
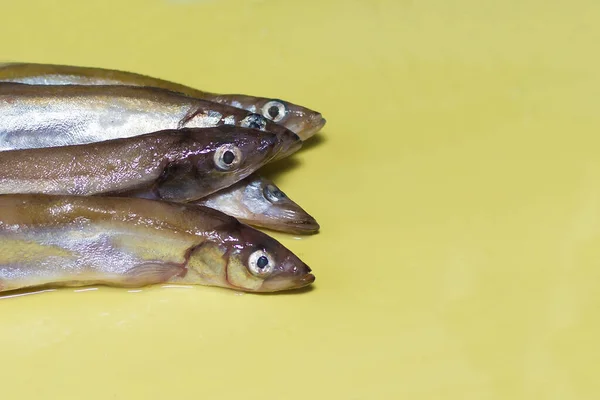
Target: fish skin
54, 240
35, 116
301, 120
177, 165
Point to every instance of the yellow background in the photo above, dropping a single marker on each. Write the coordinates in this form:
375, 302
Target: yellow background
457, 183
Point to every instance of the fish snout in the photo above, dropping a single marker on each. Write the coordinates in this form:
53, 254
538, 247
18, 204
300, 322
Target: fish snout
311, 126
294, 274
302, 223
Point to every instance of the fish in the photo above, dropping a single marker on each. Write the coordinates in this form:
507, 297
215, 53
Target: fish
178, 165
28, 132
35, 116
301, 120
74, 241
257, 201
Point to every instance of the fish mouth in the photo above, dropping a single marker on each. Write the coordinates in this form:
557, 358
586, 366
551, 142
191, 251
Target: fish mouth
290, 144
301, 226
289, 282
314, 125
305, 281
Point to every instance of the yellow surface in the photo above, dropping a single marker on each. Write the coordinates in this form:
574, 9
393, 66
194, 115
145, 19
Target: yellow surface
457, 183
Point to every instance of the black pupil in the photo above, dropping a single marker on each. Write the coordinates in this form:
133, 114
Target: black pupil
273, 111
278, 193
228, 157
262, 262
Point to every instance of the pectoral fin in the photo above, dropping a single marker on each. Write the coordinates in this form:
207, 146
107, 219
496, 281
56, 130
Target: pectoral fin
152, 273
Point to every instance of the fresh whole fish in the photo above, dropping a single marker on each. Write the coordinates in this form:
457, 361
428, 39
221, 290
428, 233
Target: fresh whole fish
74, 241
257, 201
300, 120
35, 116
32, 134
179, 165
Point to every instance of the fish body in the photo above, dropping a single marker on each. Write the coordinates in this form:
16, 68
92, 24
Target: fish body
35, 116
48, 240
178, 165
301, 120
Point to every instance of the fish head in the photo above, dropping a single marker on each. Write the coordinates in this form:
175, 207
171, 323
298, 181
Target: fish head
300, 120
211, 159
256, 262
290, 141
228, 115
271, 208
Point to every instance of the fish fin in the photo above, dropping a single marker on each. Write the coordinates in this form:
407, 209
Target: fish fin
152, 273
191, 114
179, 181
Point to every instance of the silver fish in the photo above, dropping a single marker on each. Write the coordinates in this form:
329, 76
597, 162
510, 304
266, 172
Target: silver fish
35, 116
258, 201
301, 120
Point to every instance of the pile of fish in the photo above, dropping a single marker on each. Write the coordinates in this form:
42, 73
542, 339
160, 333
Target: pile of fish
116, 178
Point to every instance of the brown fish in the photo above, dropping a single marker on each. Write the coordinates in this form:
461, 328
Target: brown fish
180, 165
125, 242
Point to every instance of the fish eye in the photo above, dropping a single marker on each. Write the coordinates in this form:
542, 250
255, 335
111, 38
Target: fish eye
274, 110
227, 157
261, 263
273, 193
254, 121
